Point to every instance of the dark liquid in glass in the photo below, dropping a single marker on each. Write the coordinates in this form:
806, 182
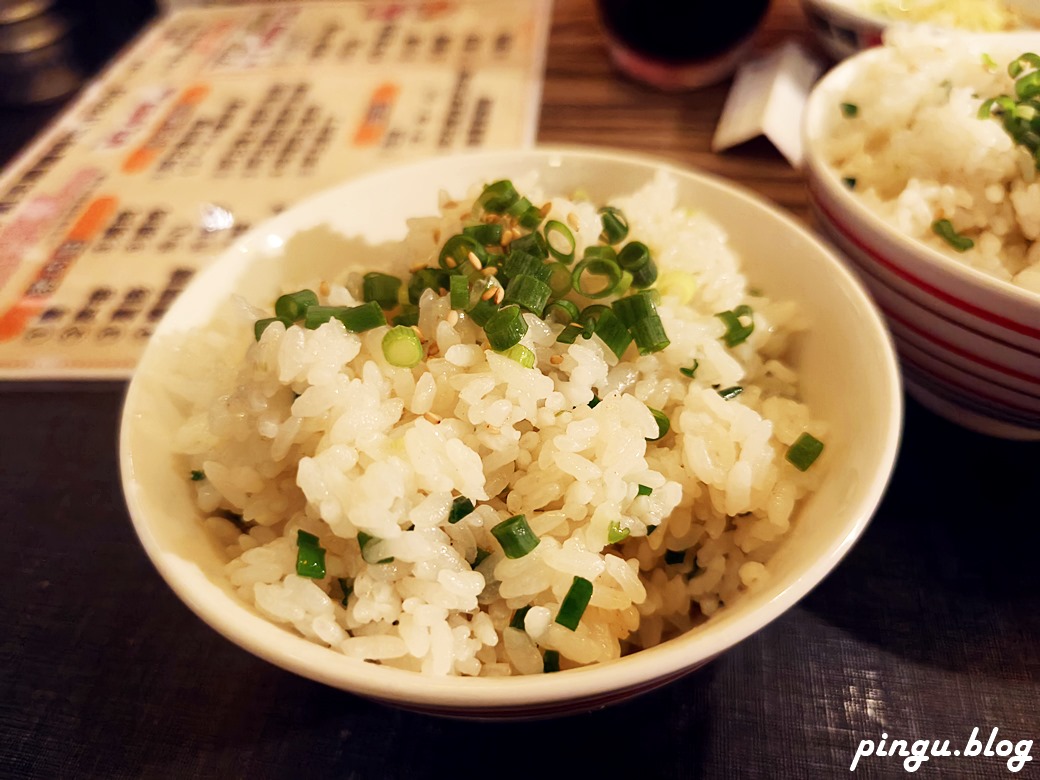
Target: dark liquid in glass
680, 31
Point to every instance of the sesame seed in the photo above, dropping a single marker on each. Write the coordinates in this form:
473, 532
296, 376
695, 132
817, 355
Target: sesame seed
450, 261
431, 417
491, 270
324, 288
419, 333
433, 351
474, 260
545, 209
500, 293
572, 220
436, 235
489, 293
507, 238
556, 359
417, 267
450, 204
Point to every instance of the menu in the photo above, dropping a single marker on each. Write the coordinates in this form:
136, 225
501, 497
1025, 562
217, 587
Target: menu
217, 118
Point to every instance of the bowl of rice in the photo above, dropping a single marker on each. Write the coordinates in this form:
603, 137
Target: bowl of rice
931, 190
510, 434
845, 27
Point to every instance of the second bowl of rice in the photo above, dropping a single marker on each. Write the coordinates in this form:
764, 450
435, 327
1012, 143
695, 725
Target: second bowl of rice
938, 208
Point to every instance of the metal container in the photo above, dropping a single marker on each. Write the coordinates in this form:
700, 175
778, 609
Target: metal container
37, 61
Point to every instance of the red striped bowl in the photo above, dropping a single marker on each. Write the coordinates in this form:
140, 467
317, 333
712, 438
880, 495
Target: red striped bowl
969, 343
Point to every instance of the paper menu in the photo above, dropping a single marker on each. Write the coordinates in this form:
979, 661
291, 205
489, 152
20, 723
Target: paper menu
217, 118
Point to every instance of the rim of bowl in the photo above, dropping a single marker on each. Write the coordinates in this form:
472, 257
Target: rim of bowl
601, 682
814, 127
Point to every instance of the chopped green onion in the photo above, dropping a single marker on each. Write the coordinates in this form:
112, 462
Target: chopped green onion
498, 196
458, 291
633, 308
849, 109
384, 289
850, 182
562, 311
482, 311
556, 231
559, 279
408, 315
944, 229
426, 278
457, 249
365, 541
517, 620
634, 256
649, 335
609, 270
611, 330
515, 536
650, 529
261, 325
1017, 65
615, 225
615, 533
596, 252
736, 329
401, 347
197, 475
574, 603
533, 244
663, 424
486, 233
528, 291
521, 355
460, 508
596, 401
691, 372
505, 328
521, 263
569, 334
672, 557
292, 305
731, 392
551, 661
481, 556
804, 452
525, 214
346, 588
310, 556
644, 490
354, 318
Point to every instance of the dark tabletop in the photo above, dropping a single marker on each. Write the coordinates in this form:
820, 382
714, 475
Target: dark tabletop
929, 629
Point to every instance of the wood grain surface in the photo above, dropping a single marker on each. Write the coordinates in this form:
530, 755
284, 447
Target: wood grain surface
586, 101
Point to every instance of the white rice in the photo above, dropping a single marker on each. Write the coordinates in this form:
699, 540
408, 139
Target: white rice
919, 153
975, 15
313, 430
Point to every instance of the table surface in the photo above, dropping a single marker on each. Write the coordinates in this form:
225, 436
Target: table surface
927, 630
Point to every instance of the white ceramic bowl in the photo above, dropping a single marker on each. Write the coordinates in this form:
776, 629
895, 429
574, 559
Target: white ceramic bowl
846, 360
969, 343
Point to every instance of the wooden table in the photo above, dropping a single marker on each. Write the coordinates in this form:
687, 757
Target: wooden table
927, 630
